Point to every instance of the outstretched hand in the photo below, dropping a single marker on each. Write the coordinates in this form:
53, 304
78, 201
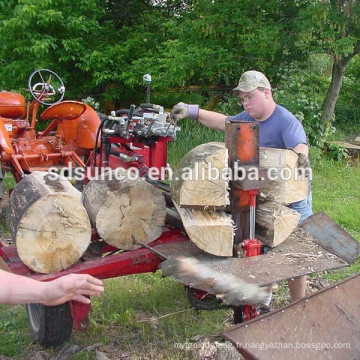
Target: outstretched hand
72, 287
179, 111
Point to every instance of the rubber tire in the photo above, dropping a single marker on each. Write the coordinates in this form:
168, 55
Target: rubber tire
50, 325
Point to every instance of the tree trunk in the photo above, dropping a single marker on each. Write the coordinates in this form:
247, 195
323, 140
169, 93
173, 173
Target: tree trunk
48, 222
328, 106
125, 211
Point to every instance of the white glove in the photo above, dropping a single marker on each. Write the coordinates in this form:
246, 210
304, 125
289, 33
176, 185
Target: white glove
182, 110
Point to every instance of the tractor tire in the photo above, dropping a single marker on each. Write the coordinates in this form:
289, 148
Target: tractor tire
50, 325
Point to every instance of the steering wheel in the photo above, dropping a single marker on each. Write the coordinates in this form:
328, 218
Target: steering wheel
46, 87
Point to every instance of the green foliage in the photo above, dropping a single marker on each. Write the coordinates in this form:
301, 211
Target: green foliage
102, 49
91, 102
331, 27
347, 107
301, 92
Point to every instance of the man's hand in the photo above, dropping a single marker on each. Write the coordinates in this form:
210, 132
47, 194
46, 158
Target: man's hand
72, 287
303, 161
303, 164
182, 110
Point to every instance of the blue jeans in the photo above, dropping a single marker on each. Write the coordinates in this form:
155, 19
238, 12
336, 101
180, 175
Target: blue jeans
303, 207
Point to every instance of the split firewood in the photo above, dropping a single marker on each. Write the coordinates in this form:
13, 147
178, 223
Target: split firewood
288, 187
275, 222
125, 210
201, 200
229, 288
206, 189
198, 181
210, 230
48, 222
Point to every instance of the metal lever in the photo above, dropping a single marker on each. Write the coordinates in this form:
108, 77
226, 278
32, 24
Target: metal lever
252, 206
147, 79
158, 253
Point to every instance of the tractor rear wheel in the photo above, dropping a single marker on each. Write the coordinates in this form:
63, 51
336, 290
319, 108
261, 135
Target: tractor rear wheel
50, 325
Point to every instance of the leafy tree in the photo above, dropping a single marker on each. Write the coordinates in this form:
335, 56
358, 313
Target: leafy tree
332, 27
45, 34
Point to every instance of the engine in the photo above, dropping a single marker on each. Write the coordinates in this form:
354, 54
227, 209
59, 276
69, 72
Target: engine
147, 121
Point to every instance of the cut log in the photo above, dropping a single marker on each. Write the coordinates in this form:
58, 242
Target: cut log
197, 181
48, 222
288, 186
204, 189
125, 210
353, 150
275, 222
211, 231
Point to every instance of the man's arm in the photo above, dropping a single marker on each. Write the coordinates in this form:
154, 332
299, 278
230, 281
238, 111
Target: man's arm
210, 119
17, 289
302, 148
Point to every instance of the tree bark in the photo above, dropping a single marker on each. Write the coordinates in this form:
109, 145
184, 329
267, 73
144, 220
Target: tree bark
125, 211
328, 106
48, 222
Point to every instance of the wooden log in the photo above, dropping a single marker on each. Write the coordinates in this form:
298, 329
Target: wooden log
210, 230
195, 182
275, 222
201, 192
353, 150
231, 289
282, 190
125, 211
48, 222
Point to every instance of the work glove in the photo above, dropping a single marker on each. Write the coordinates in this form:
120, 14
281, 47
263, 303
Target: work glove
182, 110
303, 164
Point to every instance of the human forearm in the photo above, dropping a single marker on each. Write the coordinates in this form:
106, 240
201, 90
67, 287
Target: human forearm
212, 119
16, 289
207, 118
302, 148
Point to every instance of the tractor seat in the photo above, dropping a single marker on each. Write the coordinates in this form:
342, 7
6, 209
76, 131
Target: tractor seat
65, 110
12, 105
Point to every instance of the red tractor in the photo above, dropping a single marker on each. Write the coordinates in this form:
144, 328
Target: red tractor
69, 136
131, 137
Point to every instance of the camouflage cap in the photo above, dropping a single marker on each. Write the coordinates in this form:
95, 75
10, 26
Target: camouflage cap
251, 80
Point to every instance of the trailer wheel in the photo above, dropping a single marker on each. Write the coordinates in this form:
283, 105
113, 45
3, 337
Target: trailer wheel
50, 325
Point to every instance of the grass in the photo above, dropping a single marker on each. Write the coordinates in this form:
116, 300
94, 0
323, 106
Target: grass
336, 191
137, 315
145, 316
191, 135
